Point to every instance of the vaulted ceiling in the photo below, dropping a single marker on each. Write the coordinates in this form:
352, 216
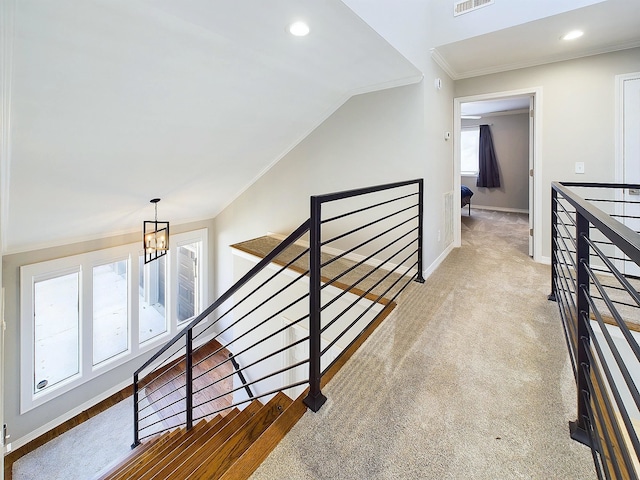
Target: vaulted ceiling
110, 103
115, 102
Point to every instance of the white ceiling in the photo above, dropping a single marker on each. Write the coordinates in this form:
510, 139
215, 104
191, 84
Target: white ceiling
495, 106
608, 26
115, 102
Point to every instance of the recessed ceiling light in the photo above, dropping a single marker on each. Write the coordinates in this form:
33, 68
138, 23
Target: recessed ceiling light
299, 29
572, 35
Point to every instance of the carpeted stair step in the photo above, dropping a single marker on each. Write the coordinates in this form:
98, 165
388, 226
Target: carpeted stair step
216, 463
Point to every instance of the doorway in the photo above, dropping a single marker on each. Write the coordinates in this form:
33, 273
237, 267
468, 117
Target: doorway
522, 101
628, 155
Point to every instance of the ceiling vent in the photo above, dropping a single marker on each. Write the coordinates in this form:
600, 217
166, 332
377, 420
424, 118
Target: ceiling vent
466, 6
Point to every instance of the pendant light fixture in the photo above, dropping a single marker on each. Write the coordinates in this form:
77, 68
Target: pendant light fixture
155, 237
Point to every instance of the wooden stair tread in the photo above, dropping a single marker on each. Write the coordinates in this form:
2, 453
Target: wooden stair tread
258, 451
189, 438
217, 463
149, 455
140, 458
203, 450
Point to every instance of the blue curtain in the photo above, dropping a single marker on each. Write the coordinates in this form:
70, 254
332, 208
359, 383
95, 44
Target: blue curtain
488, 174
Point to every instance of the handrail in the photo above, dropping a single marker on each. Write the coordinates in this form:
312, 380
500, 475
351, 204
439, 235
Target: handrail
606, 367
236, 366
264, 316
622, 236
290, 240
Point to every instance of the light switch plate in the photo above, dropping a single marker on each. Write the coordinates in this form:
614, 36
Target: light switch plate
579, 167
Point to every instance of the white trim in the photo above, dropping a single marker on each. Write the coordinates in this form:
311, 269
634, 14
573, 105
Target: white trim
7, 15
436, 263
536, 92
500, 209
442, 63
545, 260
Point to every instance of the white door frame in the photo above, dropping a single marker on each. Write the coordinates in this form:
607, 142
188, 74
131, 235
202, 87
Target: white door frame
619, 155
536, 93
619, 123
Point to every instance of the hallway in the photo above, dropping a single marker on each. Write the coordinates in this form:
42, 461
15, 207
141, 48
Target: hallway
468, 378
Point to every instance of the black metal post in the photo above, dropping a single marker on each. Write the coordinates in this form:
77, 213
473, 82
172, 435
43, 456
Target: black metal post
189, 379
419, 277
236, 366
315, 399
554, 245
136, 436
579, 428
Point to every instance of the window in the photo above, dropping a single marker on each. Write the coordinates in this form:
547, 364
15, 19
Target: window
56, 330
84, 315
152, 298
110, 310
188, 291
469, 150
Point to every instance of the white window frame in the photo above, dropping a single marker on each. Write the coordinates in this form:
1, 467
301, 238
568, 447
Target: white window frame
465, 131
83, 264
178, 241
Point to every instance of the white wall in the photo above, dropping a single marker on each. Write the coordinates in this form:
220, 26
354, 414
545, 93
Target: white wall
372, 139
23, 428
511, 142
410, 30
578, 117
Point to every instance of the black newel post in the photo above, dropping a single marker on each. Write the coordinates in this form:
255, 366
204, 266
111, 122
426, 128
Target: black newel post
579, 429
136, 438
554, 242
315, 399
189, 378
419, 277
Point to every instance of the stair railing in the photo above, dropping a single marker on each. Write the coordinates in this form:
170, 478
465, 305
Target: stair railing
290, 319
595, 277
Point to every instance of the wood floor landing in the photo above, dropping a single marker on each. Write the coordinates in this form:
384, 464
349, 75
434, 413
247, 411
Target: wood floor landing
379, 285
166, 391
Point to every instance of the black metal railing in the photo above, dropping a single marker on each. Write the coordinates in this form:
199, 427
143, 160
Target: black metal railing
292, 316
595, 280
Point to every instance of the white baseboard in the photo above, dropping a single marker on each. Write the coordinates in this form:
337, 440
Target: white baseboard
436, 263
545, 260
499, 209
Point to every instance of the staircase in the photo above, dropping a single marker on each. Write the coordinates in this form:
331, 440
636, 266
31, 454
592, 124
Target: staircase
229, 447
292, 320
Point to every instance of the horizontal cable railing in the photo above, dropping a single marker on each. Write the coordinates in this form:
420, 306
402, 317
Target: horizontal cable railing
595, 280
287, 321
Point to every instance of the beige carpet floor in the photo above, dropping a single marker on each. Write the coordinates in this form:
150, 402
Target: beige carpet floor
468, 379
